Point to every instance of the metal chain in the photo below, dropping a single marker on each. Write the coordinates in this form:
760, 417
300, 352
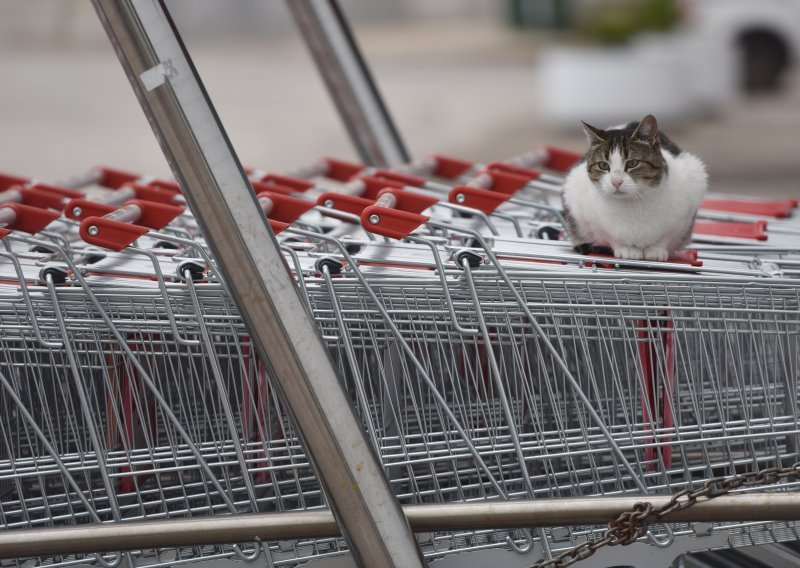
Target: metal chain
632, 525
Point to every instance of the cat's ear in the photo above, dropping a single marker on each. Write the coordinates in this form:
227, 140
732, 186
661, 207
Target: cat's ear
647, 129
594, 135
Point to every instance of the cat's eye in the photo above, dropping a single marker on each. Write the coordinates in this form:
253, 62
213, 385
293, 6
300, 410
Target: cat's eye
632, 163
603, 166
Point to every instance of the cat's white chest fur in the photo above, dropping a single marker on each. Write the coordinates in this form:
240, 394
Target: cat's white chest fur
653, 224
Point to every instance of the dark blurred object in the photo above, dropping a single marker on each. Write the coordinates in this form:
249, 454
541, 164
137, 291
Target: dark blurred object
540, 14
616, 21
765, 58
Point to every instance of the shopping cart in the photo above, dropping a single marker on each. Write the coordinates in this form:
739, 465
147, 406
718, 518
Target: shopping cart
483, 366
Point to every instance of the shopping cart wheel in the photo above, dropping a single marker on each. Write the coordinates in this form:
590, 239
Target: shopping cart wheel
549, 233
195, 269
333, 265
56, 273
165, 245
473, 259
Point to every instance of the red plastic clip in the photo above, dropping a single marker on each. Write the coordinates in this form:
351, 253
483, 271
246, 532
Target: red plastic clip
259, 186
344, 202
151, 192
109, 234
766, 207
116, 235
506, 182
41, 199
26, 218
79, 209
155, 215
341, 170
373, 186
450, 168
410, 202
529, 173
62, 192
476, 198
285, 208
9, 180
405, 179
754, 230
164, 185
560, 159
297, 184
277, 226
390, 222
112, 178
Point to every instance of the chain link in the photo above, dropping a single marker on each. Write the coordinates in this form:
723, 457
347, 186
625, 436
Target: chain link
632, 525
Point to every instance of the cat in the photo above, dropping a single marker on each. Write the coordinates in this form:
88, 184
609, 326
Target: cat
634, 193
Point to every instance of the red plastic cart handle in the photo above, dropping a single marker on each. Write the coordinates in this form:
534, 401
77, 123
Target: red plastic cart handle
79, 209
754, 230
451, 168
766, 207
113, 178
116, 229
62, 192
560, 159
283, 208
475, 198
528, 173
341, 170
343, 202
506, 182
405, 179
259, 186
10, 180
25, 218
372, 186
391, 222
151, 192
406, 201
277, 226
298, 185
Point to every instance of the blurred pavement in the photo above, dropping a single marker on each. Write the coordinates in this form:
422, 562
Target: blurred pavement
466, 89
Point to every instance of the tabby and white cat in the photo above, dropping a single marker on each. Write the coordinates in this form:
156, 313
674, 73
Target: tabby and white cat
634, 192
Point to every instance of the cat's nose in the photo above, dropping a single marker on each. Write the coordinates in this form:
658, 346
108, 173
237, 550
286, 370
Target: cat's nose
616, 182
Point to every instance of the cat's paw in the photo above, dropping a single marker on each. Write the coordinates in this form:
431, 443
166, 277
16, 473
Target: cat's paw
656, 253
631, 253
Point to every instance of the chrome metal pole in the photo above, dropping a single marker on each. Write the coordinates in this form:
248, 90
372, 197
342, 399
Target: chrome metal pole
198, 150
423, 518
350, 84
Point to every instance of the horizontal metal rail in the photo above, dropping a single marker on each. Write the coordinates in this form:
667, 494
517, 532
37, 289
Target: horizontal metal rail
422, 518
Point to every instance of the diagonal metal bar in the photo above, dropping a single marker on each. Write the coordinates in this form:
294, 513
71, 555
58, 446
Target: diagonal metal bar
349, 81
198, 150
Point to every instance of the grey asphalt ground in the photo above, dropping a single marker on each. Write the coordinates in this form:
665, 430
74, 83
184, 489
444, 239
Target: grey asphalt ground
467, 90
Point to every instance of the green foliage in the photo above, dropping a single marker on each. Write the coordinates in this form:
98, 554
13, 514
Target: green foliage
617, 23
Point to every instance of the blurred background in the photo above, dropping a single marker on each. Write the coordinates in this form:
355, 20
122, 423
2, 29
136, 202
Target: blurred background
481, 79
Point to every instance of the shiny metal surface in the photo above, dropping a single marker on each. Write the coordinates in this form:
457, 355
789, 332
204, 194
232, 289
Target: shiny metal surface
225, 206
423, 518
349, 82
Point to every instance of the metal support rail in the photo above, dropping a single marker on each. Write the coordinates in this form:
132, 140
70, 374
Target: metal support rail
423, 518
208, 170
336, 53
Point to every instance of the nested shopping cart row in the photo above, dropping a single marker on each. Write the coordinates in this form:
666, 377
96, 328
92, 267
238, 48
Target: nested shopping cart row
485, 358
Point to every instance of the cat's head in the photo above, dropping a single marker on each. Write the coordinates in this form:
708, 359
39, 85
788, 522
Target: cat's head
625, 162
